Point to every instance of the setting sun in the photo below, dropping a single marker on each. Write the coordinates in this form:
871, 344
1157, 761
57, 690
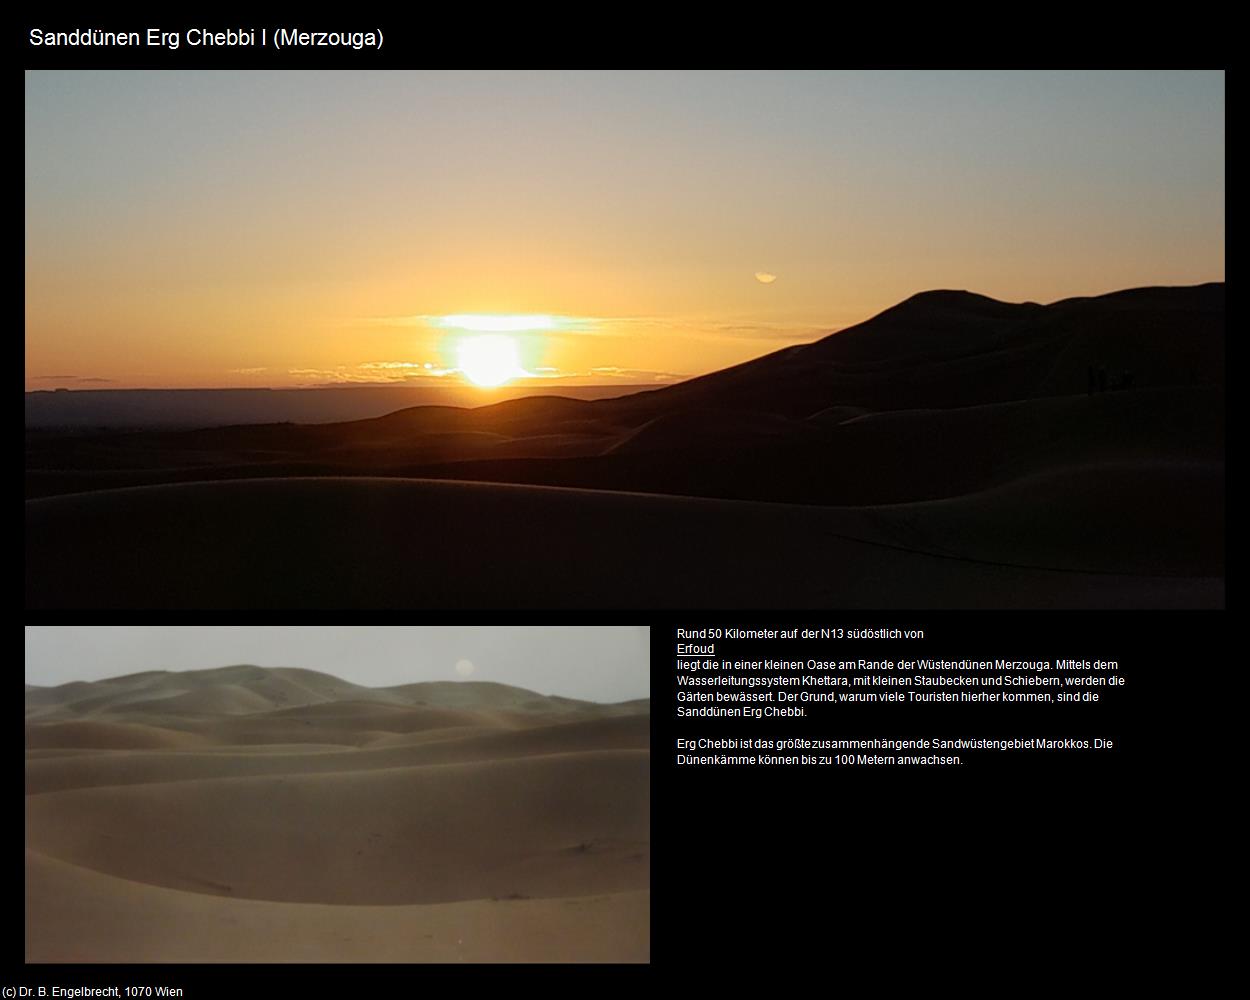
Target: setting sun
489, 360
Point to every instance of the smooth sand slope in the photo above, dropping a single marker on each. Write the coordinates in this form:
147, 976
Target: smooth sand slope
247, 814
357, 543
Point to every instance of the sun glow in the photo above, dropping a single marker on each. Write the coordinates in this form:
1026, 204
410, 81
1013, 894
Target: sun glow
489, 360
485, 322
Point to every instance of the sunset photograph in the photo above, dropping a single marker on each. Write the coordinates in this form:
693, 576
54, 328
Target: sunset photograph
463, 340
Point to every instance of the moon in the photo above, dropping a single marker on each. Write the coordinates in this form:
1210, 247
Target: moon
465, 668
765, 278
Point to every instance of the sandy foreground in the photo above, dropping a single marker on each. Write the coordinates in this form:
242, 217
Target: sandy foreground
280, 543
266, 815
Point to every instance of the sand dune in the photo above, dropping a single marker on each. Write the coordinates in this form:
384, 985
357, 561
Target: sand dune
1126, 516
684, 430
514, 834
528, 543
94, 735
132, 922
424, 834
948, 398
72, 770
245, 688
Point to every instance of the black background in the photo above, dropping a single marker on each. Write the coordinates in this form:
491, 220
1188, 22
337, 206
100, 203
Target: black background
1047, 865
1007, 858
467, 36
1011, 873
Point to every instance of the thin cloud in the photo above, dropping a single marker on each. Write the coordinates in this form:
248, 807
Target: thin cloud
771, 331
371, 373
426, 373
632, 326
546, 323
70, 378
646, 374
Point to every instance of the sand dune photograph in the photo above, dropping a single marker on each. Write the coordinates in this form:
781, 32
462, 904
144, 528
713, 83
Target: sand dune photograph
583, 340
407, 795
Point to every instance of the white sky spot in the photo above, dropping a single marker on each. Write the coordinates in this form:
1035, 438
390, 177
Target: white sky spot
465, 668
765, 278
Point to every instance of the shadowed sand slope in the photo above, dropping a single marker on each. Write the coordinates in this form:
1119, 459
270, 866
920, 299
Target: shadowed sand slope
64, 770
517, 829
542, 547
132, 922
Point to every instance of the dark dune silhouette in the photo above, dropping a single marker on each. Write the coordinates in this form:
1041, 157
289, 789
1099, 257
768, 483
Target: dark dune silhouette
133, 409
930, 450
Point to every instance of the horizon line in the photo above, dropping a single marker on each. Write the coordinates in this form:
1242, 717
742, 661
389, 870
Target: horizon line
368, 687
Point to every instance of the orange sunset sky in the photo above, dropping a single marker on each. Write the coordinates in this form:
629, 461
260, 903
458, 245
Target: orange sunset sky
285, 229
